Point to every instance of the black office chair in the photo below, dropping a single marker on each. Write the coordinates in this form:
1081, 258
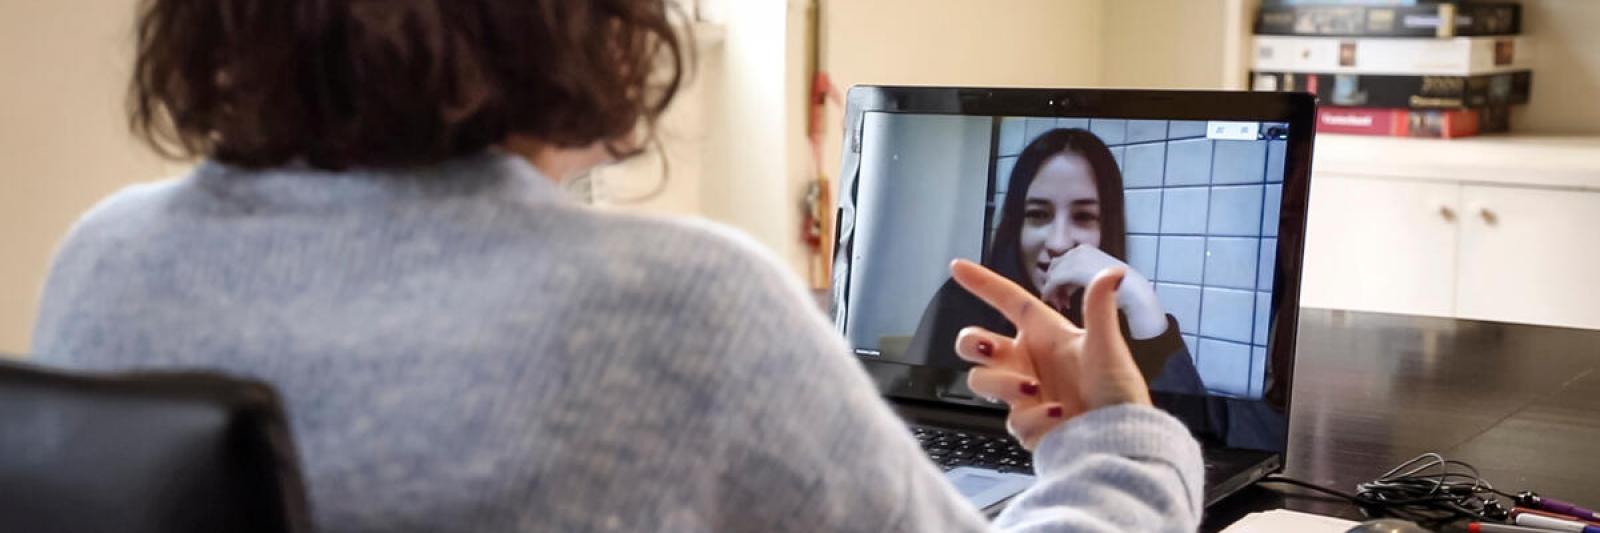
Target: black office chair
138, 453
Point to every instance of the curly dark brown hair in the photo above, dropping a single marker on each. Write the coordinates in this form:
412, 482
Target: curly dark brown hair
382, 83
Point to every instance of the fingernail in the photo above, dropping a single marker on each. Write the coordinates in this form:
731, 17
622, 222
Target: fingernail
1030, 388
985, 349
1118, 286
1056, 412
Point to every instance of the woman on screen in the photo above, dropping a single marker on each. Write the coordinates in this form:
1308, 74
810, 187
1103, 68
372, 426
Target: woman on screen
1063, 221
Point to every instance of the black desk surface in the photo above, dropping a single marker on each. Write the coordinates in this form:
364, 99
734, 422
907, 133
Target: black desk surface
1521, 403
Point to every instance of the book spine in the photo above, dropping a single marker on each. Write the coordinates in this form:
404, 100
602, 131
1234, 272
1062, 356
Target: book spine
1461, 56
1494, 119
1354, 121
1358, 2
1469, 20
1432, 124
1416, 92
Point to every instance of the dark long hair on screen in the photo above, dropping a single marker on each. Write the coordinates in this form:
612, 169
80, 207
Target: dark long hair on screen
1005, 252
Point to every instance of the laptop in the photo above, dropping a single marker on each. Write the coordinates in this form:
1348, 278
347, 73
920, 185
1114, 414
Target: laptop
1203, 194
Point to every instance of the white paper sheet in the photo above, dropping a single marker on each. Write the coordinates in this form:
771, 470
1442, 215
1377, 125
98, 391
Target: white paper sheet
1280, 520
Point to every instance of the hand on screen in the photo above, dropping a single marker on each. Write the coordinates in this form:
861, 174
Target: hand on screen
1052, 370
1076, 268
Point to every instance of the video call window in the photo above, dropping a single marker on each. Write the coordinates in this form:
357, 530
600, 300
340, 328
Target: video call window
1202, 224
1199, 204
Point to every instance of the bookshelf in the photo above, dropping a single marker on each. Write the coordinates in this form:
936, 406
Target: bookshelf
1205, 44
1496, 227
1566, 162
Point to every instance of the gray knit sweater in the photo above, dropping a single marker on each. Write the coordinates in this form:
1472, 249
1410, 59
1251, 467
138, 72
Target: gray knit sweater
461, 349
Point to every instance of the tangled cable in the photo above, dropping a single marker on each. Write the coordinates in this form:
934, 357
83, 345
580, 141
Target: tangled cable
1426, 489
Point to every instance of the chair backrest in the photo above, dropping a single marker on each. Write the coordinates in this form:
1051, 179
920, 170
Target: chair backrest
137, 453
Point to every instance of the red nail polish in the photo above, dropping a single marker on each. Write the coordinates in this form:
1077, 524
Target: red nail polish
985, 349
1056, 412
1030, 388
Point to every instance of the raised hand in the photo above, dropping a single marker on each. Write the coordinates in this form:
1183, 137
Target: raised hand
1052, 370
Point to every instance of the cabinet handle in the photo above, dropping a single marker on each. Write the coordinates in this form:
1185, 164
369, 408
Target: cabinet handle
1488, 216
1446, 213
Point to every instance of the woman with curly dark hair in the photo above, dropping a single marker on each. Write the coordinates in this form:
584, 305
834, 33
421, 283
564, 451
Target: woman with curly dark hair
377, 229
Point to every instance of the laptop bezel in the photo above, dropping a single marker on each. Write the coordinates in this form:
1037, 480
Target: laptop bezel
1296, 109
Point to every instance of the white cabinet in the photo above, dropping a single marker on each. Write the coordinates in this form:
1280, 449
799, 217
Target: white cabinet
1381, 245
1502, 230
1529, 255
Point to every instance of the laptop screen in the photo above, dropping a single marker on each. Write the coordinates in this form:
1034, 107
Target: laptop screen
1191, 207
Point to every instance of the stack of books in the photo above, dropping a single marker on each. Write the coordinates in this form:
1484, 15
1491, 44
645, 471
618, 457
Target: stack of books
1408, 68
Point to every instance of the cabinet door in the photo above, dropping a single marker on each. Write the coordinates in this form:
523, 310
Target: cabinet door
1381, 245
1530, 256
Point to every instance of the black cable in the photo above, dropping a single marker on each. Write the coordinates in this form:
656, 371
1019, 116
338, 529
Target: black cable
1313, 486
1426, 489
1364, 505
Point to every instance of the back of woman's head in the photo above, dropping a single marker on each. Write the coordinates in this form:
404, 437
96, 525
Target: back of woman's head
381, 83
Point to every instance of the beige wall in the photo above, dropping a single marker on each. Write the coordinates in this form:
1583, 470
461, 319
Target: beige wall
755, 129
666, 179
994, 43
63, 143
1166, 44
734, 139
1566, 76
1051, 43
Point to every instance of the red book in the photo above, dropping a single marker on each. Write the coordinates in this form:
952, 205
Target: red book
1429, 123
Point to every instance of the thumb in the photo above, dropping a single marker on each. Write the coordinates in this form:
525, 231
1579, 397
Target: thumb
1106, 351
1100, 303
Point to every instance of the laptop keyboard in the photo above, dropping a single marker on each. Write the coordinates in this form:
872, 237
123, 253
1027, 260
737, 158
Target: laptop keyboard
951, 449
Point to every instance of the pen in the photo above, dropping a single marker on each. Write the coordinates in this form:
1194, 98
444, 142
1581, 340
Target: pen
1530, 499
1554, 524
1524, 510
1485, 527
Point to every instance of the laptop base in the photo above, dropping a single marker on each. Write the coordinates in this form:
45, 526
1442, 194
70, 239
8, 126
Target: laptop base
1228, 470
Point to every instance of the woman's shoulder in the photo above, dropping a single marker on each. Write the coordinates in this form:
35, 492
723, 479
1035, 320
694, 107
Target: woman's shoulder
708, 281
125, 212
707, 254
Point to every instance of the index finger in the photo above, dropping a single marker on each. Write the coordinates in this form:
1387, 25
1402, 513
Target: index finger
1012, 301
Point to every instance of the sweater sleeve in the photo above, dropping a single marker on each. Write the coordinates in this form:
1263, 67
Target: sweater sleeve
820, 436
1165, 361
1122, 468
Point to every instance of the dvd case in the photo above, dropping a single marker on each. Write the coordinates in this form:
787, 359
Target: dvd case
1335, 20
1460, 56
1416, 92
